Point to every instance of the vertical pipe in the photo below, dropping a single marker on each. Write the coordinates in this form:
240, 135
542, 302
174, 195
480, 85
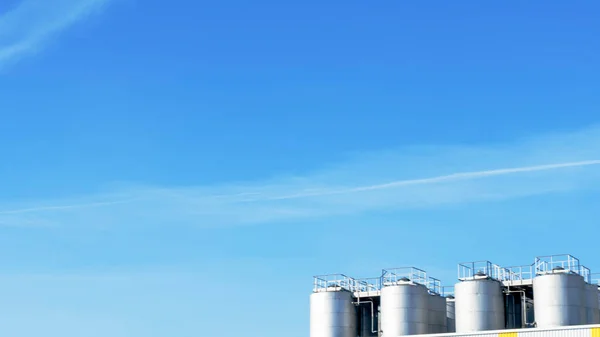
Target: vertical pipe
358, 303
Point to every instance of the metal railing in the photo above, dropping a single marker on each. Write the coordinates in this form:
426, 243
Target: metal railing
566, 262
434, 285
447, 291
334, 282
394, 275
469, 270
466, 271
519, 273
586, 273
372, 284
337, 282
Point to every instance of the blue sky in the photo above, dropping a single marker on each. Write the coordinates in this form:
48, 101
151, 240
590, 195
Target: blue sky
173, 169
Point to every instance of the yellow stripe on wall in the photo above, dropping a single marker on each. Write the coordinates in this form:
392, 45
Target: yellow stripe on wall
595, 332
514, 334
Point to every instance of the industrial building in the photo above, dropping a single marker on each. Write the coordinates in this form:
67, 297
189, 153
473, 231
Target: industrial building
554, 296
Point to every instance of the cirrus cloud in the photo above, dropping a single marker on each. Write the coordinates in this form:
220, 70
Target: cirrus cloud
28, 27
419, 177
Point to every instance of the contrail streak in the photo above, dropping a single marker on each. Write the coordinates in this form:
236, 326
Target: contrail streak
441, 179
30, 25
393, 184
64, 207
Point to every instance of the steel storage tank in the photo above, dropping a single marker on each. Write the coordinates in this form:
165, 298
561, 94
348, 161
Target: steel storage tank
598, 294
559, 299
479, 305
332, 314
437, 314
591, 304
404, 309
450, 316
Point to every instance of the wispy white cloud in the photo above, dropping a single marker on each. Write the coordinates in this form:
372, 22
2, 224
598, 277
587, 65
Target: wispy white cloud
416, 177
435, 180
65, 207
30, 25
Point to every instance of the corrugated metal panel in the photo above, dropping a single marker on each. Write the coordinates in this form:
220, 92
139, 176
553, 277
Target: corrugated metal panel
471, 334
572, 331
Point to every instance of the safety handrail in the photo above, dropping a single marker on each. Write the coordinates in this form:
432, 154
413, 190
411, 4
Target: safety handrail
519, 273
447, 291
392, 276
586, 273
372, 284
333, 282
563, 262
434, 285
470, 270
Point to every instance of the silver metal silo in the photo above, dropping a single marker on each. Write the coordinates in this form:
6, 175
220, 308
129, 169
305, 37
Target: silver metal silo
598, 294
450, 314
595, 281
436, 307
404, 302
332, 311
479, 302
559, 292
592, 309
437, 314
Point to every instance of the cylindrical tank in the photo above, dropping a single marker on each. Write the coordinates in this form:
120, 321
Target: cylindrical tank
559, 300
450, 316
591, 304
598, 296
404, 309
479, 305
437, 314
332, 314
